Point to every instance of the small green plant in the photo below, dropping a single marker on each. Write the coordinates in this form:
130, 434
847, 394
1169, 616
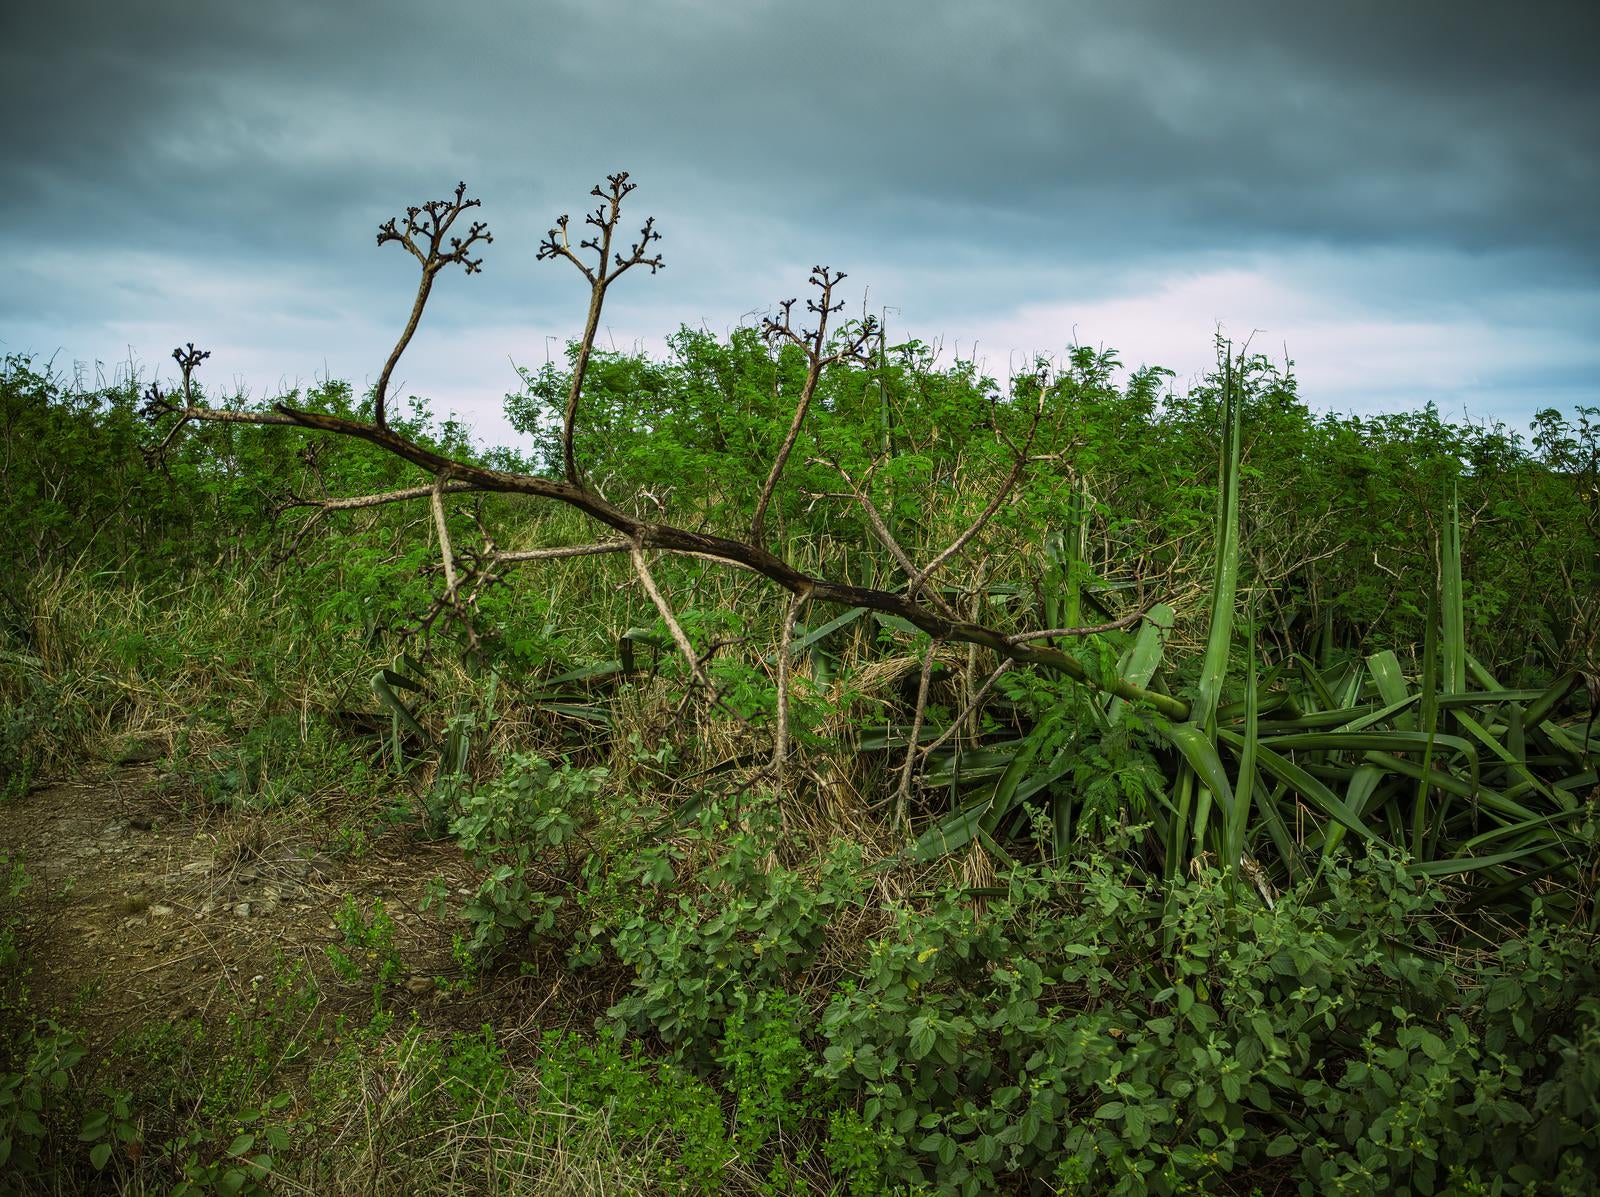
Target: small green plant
725, 938
35, 1094
14, 880
242, 1167
507, 827
368, 947
660, 1105
768, 1068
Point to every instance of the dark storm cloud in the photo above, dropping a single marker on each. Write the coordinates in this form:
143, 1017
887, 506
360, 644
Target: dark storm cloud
980, 155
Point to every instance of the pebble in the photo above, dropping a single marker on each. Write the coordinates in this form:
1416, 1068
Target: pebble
242, 910
159, 910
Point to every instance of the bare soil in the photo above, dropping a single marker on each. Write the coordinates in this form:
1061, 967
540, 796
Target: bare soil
139, 909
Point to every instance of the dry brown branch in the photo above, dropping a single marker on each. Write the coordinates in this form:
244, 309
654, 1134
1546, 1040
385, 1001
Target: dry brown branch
558, 554
679, 636
902, 795
930, 614
446, 553
358, 502
669, 538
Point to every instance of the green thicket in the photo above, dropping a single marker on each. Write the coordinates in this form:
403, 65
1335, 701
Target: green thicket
1371, 969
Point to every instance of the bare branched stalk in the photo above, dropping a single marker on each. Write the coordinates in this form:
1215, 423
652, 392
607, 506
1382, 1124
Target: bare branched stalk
609, 267
424, 233
814, 343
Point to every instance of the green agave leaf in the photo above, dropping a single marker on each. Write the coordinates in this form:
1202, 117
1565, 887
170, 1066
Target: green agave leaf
1318, 683
1552, 820
1358, 794
1376, 741
397, 680
1453, 608
896, 623
1237, 821
584, 713
819, 634
584, 673
1491, 799
1141, 661
401, 716
1539, 709
955, 831
1304, 784
1470, 864
1391, 683
1509, 758
1385, 714
1225, 570
1201, 755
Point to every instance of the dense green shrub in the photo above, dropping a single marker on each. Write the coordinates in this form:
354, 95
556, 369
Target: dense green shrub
1076, 1031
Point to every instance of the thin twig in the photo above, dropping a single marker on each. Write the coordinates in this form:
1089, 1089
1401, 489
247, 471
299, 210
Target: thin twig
880, 529
903, 793
557, 554
922, 575
446, 553
812, 342
971, 707
1127, 621
780, 751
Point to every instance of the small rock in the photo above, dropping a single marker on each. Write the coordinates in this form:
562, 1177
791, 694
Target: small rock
242, 910
420, 985
246, 875
207, 907
159, 911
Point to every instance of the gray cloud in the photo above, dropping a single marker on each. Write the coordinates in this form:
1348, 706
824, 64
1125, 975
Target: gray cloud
983, 157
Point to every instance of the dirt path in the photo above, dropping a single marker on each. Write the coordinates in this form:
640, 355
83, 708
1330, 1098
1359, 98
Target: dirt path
137, 910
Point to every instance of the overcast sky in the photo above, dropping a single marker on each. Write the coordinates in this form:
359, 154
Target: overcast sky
1404, 197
